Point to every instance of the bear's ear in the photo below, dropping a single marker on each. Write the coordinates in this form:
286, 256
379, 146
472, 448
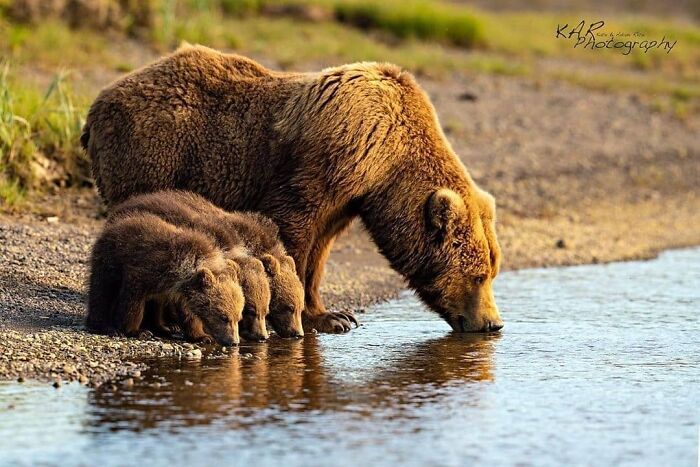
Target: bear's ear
443, 208
203, 279
272, 266
289, 261
233, 270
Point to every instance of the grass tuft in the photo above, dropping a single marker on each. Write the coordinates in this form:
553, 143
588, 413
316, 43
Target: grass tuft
12, 194
39, 132
414, 19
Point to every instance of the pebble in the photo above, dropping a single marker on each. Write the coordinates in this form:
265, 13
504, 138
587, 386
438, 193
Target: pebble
194, 353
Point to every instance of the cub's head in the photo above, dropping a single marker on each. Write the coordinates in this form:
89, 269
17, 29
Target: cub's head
287, 296
256, 290
460, 261
217, 299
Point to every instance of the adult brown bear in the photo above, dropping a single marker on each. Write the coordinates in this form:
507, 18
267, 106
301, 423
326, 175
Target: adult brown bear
311, 151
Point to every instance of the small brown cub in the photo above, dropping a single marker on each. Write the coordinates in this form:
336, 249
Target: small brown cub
257, 234
141, 257
170, 207
260, 236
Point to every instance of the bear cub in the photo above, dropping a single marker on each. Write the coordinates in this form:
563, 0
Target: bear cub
140, 258
251, 240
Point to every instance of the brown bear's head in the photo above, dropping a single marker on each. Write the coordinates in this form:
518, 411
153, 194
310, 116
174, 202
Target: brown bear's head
461, 261
217, 300
287, 300
256, 290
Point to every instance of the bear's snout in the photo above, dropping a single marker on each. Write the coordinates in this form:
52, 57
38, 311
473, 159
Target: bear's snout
492, 326
465, 325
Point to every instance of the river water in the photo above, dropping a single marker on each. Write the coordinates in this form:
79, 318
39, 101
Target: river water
597, 365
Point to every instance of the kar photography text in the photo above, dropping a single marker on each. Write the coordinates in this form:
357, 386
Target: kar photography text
594, 38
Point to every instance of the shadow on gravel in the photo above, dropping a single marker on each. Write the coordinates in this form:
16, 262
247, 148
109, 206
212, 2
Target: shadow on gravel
28, 303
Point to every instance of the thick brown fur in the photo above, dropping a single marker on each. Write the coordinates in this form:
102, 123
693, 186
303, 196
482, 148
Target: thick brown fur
311, 152
141, 257
232, 230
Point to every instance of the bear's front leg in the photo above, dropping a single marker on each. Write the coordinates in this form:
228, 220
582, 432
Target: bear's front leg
193, 329
315, 315
129, 311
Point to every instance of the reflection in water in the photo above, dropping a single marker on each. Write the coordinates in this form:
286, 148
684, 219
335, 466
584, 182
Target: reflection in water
597, 365
289, 375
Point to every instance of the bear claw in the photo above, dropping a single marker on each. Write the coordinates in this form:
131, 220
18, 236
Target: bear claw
333, 322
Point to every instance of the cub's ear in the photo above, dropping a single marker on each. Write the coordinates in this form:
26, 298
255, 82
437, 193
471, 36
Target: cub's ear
272, 266
233, 270
203, 279
443, 208
289, 261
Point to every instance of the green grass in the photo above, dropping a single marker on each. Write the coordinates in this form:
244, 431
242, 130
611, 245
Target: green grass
414, 19
12, 194
521, 34
53, 44
39, 131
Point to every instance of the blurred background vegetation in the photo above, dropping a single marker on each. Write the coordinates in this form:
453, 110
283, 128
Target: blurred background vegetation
57, 54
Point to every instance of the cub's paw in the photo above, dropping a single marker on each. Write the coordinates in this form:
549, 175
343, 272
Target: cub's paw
334, 322
205, 340
145, 335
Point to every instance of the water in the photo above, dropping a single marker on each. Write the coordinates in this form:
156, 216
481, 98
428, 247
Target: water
597, 365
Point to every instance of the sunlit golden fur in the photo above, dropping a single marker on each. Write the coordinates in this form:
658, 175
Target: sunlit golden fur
311, 151
241, 236
141, 257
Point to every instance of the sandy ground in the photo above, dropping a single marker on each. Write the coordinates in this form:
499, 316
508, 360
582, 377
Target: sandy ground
579, 177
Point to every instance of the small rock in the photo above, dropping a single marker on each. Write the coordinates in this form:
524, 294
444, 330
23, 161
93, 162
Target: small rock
560, 243
467, 96
52, 219
128, 382
188, 383
82, 379
20, 379
57, 383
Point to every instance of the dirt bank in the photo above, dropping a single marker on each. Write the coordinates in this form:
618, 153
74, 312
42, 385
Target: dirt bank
579, 177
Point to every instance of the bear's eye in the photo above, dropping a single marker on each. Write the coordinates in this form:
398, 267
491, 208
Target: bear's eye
478, 280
